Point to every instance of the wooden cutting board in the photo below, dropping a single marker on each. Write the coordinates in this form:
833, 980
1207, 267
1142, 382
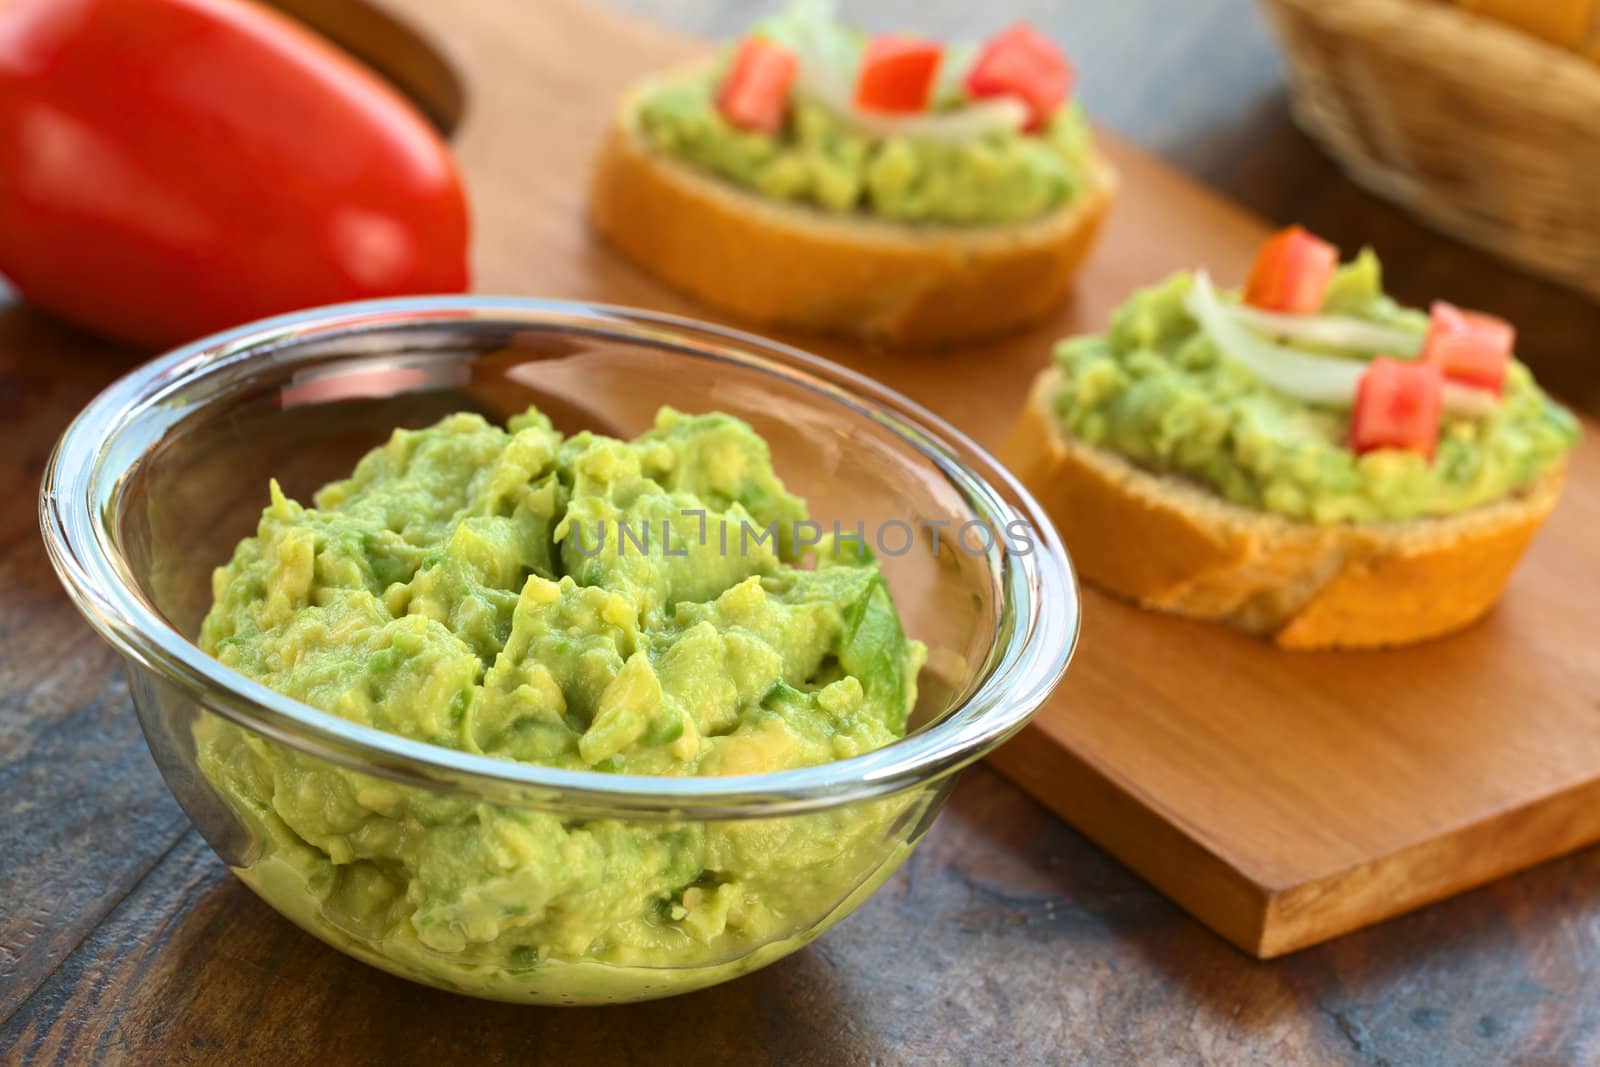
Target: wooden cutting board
1281, 798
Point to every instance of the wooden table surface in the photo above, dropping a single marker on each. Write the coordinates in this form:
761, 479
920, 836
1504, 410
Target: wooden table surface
1006, 938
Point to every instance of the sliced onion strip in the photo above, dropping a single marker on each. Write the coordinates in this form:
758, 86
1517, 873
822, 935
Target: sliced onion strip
1328, 381
967, 123
1334, 331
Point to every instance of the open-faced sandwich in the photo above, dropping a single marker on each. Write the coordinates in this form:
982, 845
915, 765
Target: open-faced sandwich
881, 186
1306, 459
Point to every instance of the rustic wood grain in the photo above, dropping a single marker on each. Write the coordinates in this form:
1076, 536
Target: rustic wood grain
1007, 938
83, 817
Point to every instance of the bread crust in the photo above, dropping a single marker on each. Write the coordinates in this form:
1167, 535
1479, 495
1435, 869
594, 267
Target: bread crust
1170, 544
785, 264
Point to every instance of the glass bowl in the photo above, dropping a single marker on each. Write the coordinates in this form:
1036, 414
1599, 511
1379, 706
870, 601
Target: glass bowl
584, 886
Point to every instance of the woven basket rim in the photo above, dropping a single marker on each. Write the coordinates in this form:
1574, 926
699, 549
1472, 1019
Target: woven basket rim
1510, 63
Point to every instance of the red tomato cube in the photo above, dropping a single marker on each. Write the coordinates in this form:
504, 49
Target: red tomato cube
1398, 404
755, 93
1291, 272
1469, 347
897, 73
1024, 63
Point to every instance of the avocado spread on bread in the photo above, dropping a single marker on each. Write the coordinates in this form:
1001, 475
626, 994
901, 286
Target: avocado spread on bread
1157, 389
820, 160
810, 112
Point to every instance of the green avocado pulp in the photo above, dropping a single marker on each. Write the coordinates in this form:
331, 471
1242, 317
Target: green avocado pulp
585, 603
1156, 390
820, 160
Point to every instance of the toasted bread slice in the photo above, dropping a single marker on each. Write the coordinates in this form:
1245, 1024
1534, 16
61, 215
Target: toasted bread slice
779, 263
1170, 543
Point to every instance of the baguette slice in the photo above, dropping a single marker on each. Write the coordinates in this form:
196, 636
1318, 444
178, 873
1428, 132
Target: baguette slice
1168, 543
786, 264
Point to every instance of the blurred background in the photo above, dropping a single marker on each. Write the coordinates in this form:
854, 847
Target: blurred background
1192, 80
1202, 83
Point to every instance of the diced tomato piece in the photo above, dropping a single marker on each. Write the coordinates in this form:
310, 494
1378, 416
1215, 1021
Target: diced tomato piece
1291, 272
1022, 62
755, 93
1397, 406
897, 73
1469, 346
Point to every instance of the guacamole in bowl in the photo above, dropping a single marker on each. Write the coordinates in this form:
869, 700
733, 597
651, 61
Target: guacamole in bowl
580, 602
601, 706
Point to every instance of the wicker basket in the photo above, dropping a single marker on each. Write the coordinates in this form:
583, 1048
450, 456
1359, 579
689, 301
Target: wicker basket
1489, 134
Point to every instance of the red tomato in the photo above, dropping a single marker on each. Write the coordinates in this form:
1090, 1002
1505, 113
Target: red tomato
897, 73
1022, 62
1291, 272
755, 94
169, 168
1397, 406
1470, 347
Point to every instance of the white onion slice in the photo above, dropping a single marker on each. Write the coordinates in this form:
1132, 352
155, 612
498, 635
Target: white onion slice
1315, 379
967, 123
1334, 331
1324, 380
1468, 402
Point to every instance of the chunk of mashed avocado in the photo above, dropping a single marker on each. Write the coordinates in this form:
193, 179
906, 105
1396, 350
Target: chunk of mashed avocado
579, 602
1155, 389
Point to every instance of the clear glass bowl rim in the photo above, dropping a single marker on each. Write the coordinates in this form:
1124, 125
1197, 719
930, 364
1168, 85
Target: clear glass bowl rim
1040, 612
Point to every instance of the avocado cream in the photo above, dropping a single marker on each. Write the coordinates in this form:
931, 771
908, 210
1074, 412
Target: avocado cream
581, 602
1155, 389
820, 160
